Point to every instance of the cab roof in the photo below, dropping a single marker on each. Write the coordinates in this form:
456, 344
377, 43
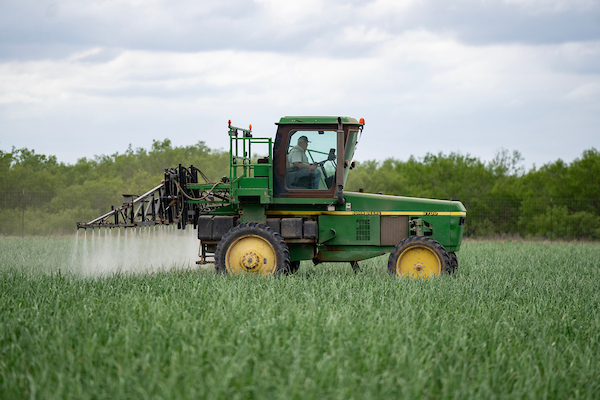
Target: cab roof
307, 120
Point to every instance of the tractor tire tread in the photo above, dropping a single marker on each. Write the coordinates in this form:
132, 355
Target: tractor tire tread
253, 228
426, 240
453, 263
294, 267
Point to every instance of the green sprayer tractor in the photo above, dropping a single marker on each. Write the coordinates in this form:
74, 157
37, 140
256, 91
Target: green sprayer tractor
288, 204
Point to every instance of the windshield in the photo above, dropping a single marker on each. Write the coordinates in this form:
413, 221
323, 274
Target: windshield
311, 160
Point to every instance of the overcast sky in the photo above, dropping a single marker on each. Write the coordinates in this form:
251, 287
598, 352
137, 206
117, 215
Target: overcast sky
84, 78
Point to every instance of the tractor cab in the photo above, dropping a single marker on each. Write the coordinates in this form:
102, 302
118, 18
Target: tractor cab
312, 156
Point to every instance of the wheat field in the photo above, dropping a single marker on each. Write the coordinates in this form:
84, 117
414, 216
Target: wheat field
108, 317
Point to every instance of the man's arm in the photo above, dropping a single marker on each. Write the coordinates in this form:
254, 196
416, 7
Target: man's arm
296, 160
306, 166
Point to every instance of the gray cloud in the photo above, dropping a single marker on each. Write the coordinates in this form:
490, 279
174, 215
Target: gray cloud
82, 78
189, 26
494, 22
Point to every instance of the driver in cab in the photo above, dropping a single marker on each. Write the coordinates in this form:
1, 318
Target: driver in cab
306, 173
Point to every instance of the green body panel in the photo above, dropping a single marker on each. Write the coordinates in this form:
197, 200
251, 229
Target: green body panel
261, 183
443, 216
299, 252
378, 202
350, 253
290, 203
262, 171
253, 213
349, 230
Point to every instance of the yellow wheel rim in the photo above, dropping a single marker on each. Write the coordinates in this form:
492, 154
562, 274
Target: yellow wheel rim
418, 261
251, 255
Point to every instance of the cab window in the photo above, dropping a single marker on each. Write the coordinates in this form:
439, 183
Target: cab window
311, 160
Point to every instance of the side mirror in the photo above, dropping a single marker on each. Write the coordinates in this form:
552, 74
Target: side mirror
331, 155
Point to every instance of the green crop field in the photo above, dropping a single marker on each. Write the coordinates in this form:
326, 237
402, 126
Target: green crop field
520, 320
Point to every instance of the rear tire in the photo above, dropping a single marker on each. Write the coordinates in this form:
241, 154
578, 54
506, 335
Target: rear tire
453, 263
252, 248
294, 267
419, 256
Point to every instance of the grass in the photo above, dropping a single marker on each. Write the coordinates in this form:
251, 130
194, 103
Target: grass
521, 320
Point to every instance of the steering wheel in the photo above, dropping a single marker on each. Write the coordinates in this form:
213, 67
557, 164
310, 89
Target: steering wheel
330, 157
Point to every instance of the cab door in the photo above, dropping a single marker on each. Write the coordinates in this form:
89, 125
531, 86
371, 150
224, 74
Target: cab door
323, 151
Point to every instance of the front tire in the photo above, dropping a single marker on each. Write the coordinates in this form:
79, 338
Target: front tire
419, 256
252, 248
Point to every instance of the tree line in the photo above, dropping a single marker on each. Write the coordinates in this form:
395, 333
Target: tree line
40, 195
